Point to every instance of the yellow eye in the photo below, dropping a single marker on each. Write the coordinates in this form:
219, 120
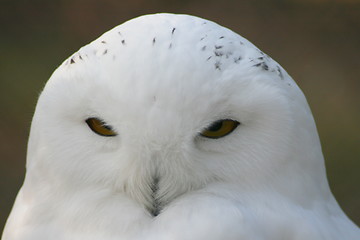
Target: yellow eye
98, 126
220, 128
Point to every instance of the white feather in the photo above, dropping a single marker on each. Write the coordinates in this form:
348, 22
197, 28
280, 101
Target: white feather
159, 80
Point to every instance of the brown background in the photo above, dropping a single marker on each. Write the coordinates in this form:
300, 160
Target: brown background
317, 42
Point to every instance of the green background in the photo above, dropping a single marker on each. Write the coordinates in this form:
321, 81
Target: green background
317, 42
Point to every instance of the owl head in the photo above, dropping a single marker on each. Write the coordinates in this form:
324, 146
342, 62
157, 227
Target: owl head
166, 104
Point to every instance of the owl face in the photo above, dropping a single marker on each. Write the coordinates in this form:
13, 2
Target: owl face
156, 108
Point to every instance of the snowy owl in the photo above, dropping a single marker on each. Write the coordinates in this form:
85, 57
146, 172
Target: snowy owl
171, 127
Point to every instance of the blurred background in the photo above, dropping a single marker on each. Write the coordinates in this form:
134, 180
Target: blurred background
316, 41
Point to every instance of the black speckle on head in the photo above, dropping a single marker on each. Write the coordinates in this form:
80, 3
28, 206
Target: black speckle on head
105, 51
123, 42
280, 72
208, 58
221, 37
119, 33
218, 47
241, 43
217, 65
172, 31
80, 57
237, 60
72, 61
218, 53
204, 23
265, 66
153, 41
203, 48
170, 45
260, 58
103, 42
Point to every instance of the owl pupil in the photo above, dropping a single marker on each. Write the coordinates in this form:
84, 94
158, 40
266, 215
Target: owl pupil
216, 126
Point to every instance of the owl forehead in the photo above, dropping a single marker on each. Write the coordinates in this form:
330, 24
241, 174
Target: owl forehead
165, 44
172, 62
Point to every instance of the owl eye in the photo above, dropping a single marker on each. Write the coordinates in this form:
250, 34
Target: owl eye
100, 127
220, 128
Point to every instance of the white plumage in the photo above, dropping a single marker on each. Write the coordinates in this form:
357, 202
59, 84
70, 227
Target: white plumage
158, 82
